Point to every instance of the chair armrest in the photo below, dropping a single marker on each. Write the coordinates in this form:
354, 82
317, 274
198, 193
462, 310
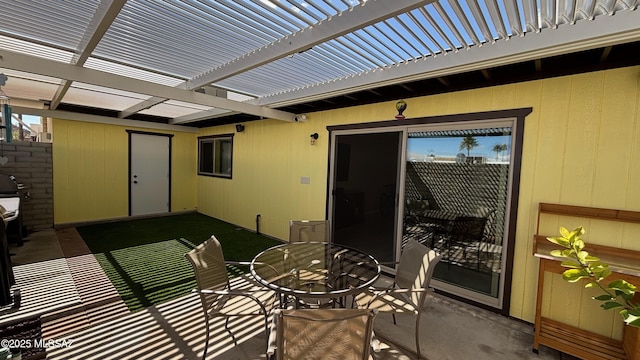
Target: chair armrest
231, 262
378, 293
375, 289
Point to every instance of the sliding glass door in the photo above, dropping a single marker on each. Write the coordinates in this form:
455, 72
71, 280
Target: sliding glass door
455, 201
449, 182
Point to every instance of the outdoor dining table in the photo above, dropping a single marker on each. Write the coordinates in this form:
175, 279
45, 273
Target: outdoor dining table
314, 270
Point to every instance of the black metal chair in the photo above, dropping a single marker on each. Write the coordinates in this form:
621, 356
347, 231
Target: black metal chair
466, 233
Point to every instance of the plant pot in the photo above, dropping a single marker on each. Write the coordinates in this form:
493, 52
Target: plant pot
631, 342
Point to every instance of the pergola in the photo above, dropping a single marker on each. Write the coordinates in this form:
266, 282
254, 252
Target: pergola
202, 62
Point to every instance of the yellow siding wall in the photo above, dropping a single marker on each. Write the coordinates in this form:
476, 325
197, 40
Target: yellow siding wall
269, 158
90, 176
581, 146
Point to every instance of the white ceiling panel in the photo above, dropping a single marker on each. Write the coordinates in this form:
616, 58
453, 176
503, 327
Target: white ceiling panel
187, 105
20, 88
132, 72
100, 99
173, 110
106, 90
13, 74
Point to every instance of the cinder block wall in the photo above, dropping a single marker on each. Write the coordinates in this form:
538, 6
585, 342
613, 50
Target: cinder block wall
31, 164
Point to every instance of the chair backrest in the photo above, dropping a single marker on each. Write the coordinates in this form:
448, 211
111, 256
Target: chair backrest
483, 212
209, 267
309, 231
415, 269
338, 334
468, 229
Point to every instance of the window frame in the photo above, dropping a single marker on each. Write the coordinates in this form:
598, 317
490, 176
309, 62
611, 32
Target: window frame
213, 139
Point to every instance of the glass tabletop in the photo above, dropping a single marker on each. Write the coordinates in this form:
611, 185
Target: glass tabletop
313, 269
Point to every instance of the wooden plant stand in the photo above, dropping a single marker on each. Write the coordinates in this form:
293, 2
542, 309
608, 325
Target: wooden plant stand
625, 264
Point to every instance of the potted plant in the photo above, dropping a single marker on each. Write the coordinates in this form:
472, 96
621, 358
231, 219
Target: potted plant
617, 294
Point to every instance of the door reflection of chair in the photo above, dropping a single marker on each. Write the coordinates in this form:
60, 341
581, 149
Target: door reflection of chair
309, 231
322, 334
466, 233
436, 226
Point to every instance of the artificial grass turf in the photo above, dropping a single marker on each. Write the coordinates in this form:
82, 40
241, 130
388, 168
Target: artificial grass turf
144, 258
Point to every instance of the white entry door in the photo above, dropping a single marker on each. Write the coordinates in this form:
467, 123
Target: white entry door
149, 173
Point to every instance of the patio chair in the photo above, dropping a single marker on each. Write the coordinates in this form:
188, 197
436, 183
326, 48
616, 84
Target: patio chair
340, 334
309, 231
408, 292
217, 297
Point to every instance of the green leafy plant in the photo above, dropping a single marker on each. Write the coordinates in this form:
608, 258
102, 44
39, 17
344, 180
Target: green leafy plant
618, 294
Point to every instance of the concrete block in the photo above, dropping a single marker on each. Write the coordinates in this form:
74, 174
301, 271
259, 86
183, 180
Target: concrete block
19, 153
30, 159
37, 180
40, 144
40, 174
23, 164
40, 185
37, 149
44, 207
40, 165
40, 154
36, 191
8, 147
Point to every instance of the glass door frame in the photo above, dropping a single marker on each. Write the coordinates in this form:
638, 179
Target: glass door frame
493, 302
516, 117
331, 180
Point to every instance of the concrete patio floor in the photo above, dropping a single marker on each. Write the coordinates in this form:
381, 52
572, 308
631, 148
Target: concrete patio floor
86, 312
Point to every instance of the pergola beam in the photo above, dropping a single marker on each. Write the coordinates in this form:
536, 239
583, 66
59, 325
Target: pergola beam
359, 17
36, 65
90, 41
349, 21
69, 115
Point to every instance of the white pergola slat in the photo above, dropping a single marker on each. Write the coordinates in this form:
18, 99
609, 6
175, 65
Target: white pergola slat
285, 52
582, 36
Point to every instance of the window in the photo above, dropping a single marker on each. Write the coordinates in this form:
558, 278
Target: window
215, 155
